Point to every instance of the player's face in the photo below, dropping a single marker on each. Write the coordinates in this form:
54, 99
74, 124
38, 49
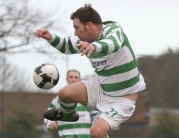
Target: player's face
81, 30
73, 77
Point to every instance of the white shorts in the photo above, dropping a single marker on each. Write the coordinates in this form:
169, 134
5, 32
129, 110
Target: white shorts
114, 110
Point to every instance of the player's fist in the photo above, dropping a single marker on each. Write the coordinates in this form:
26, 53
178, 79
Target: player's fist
43, 33
54, 125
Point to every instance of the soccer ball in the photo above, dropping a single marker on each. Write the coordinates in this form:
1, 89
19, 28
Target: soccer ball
46, 76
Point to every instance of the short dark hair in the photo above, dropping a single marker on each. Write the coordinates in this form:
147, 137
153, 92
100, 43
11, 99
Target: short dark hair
87, 14
74, 70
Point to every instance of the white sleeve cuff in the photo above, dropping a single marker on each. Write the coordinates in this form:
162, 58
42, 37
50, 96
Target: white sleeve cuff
52, 39
47, 123
98, 47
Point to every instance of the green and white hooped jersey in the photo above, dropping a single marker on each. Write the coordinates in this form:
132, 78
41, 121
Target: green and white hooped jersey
114, 60
79, 129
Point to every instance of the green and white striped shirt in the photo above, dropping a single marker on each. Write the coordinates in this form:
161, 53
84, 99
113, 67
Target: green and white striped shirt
114, 60
79, 129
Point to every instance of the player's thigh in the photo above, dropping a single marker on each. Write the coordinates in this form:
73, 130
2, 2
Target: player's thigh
75, 92
100, 127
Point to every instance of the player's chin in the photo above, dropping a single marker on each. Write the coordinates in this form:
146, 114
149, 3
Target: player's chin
81, 39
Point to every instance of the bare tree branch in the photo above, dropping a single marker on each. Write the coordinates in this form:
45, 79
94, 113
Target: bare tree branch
17, 35
17, 23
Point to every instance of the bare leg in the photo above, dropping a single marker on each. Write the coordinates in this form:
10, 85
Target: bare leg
74, 93
99, 128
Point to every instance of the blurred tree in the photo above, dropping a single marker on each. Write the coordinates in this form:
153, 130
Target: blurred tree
12, 77
20, 122
161, 75
20, 119
167, 126
171, 52
18, 22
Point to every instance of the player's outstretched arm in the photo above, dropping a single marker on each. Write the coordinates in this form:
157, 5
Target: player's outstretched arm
43, 33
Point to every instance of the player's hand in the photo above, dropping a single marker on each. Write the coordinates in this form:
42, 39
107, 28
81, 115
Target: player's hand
85, 48
43, 33
54, 125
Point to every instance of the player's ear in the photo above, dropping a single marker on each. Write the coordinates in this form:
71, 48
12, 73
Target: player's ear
89, 25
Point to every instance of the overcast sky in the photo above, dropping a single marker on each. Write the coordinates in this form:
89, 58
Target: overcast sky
152, 26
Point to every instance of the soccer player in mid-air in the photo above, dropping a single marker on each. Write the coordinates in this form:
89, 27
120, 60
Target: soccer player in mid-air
115, 89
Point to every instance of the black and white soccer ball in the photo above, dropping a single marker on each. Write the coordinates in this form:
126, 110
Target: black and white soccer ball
46, 76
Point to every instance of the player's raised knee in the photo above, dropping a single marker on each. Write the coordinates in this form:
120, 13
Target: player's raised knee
64, 94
